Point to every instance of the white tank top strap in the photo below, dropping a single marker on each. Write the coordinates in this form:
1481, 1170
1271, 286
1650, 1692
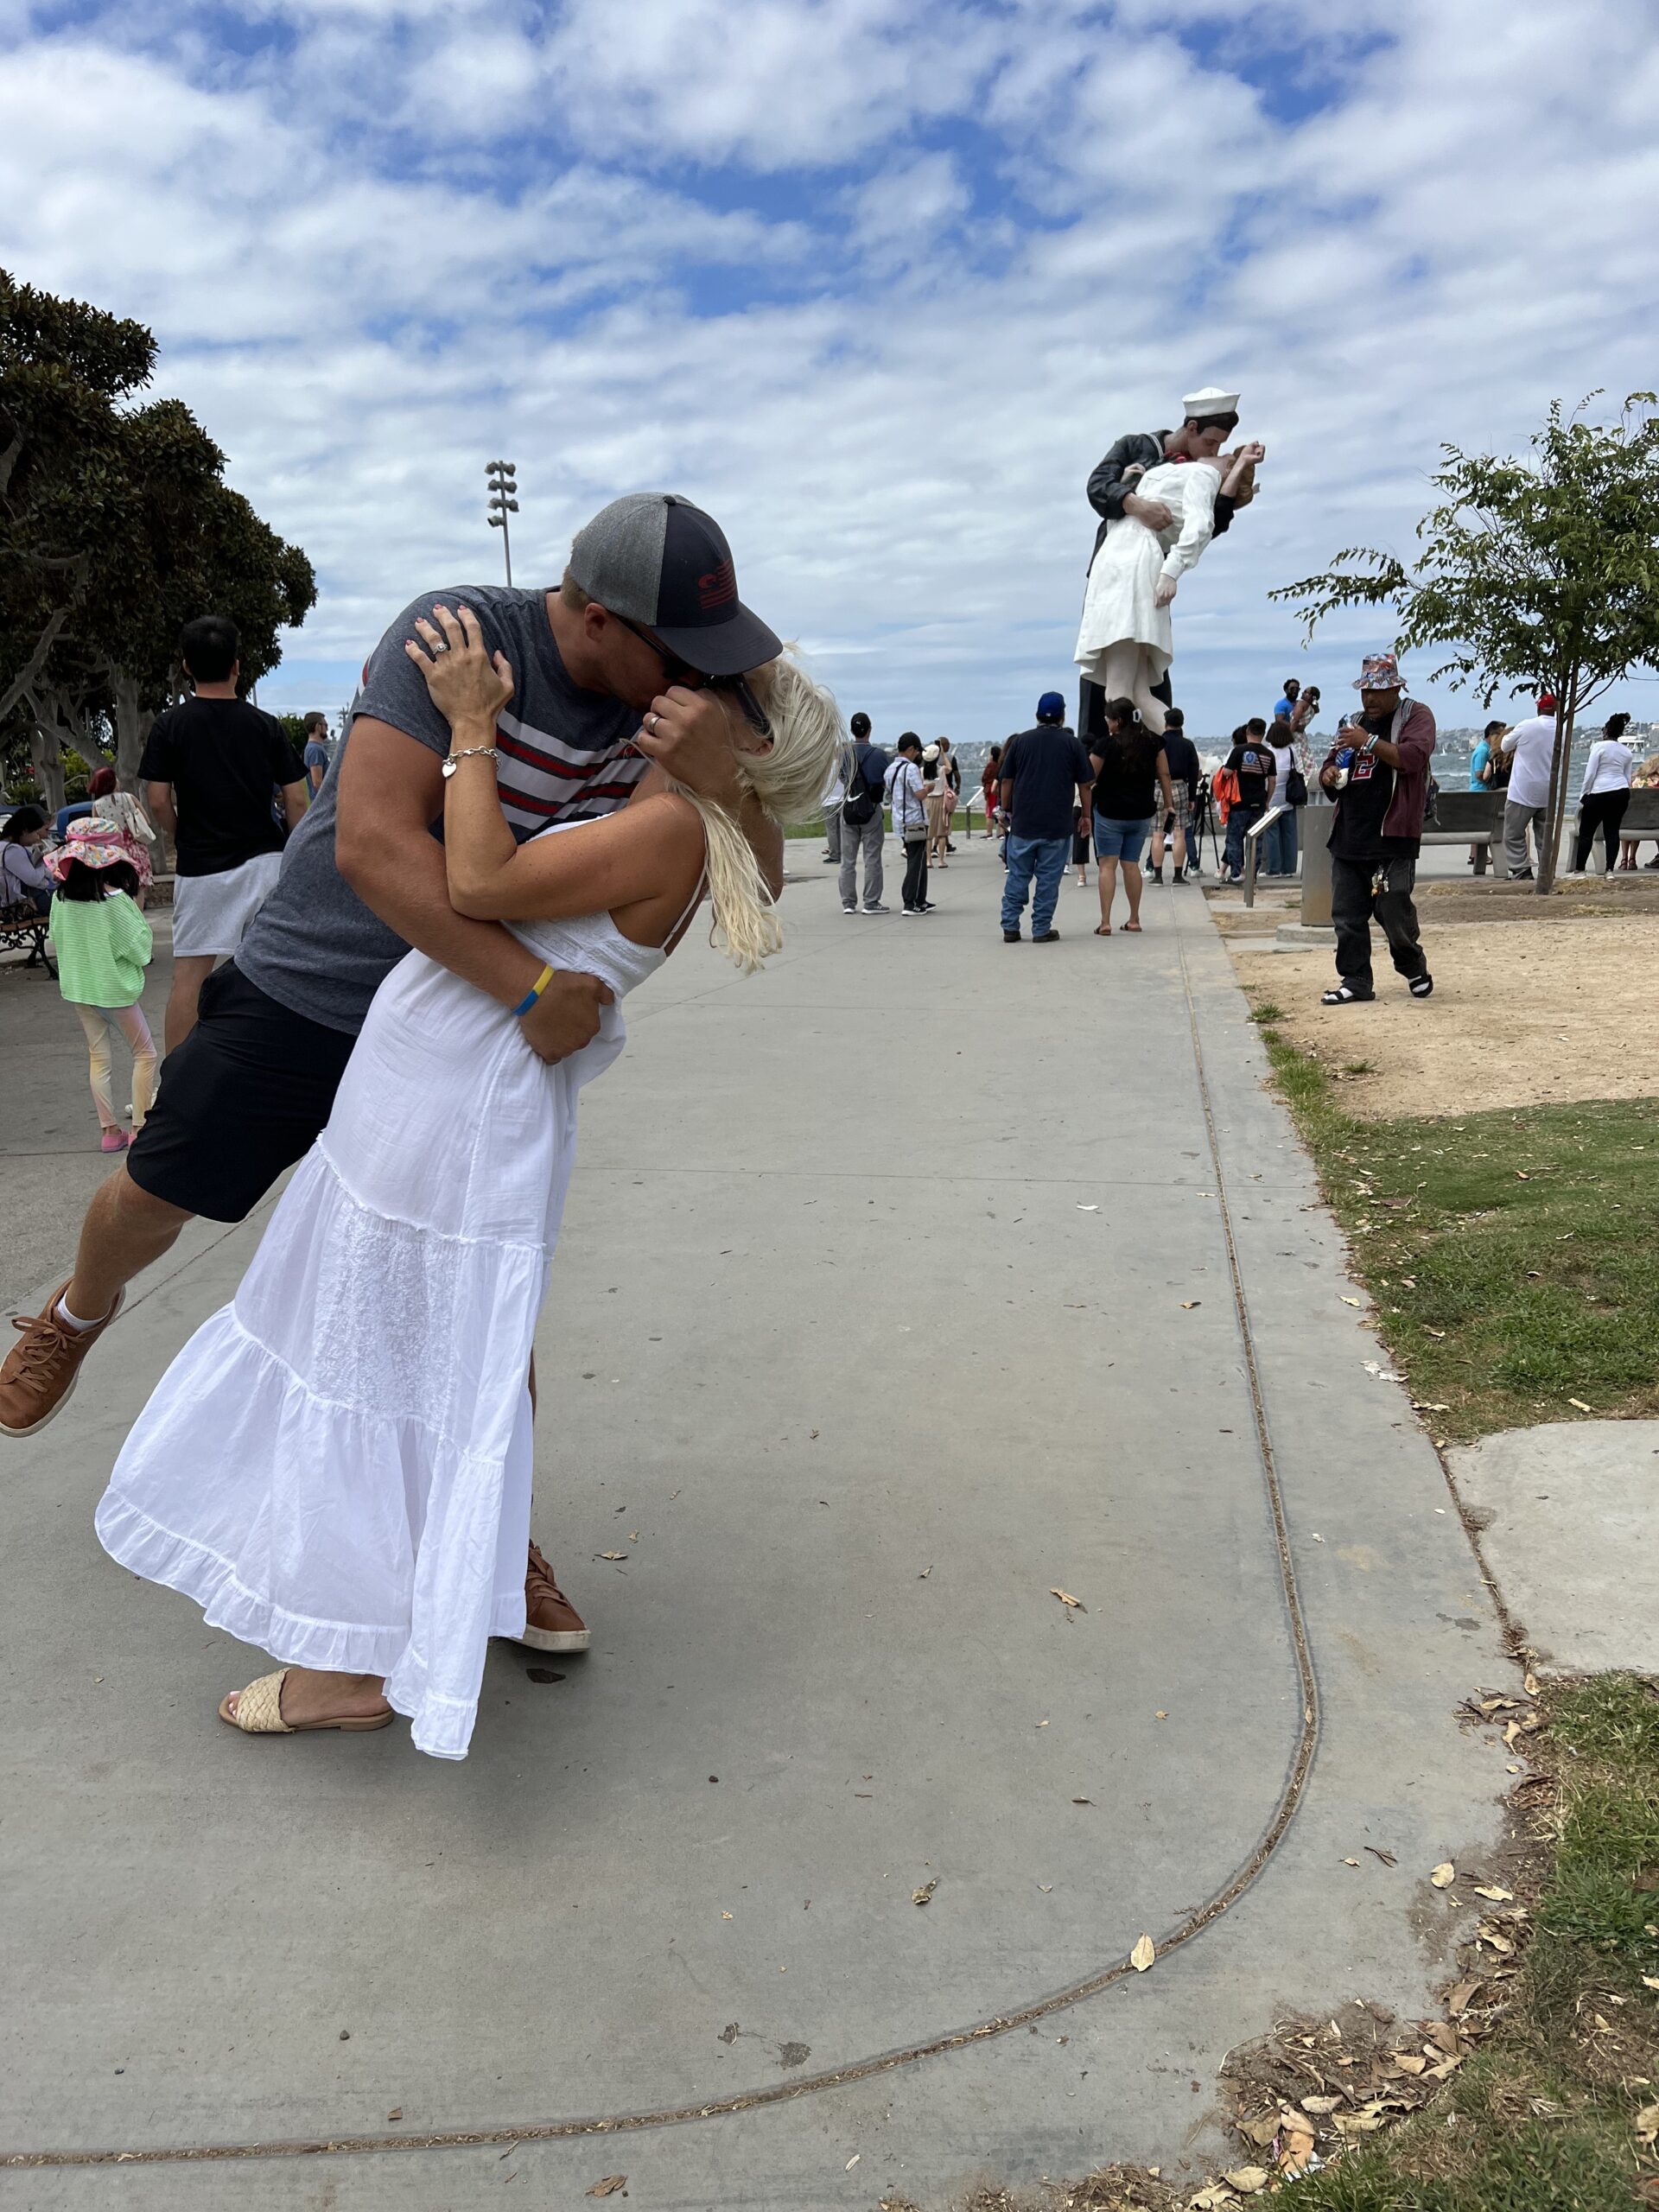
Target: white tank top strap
684, 922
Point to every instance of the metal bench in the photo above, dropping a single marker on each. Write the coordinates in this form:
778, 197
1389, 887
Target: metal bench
32, 931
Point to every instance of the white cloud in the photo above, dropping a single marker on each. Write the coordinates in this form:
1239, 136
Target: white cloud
783, 261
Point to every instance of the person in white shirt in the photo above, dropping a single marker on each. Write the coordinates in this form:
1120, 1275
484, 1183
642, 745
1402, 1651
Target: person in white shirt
903, 781
1606, 792
1532, 745
834, 792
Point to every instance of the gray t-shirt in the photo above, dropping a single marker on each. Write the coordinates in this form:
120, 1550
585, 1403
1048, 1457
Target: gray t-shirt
313, 946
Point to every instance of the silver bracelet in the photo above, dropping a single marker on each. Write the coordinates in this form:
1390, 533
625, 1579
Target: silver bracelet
471, 752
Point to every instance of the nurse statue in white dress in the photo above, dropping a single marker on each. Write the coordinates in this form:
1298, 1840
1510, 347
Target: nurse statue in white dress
1126, 643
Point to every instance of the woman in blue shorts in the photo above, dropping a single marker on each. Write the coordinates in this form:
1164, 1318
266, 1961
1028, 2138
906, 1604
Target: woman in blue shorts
1131, 780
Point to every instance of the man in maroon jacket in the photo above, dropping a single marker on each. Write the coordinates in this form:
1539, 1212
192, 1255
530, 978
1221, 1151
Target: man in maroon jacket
1381, 793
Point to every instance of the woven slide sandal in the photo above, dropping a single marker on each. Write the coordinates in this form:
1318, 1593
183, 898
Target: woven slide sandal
259, 1712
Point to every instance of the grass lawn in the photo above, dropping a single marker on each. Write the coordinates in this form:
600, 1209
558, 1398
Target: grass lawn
1513, 1256
1556, 2110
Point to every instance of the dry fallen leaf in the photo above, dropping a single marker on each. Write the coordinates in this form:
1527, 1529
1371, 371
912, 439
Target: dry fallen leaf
1531, 1685
1444, 1875
1647, 2123
1497, 1893
1350, 1862
1246, 2180
613, 1555
852, 2162
1458, 1999
1410, 2061
921, 1895
1187, 1303
609, 2186
1142, 1955
1297, 2150
397, 2112
725, 1916
1579, 1403
1320, 2104
1350, 1301
1083, 1800
1065, 1599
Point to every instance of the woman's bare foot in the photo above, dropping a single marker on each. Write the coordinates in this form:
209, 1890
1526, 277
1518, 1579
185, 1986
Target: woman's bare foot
310, 1695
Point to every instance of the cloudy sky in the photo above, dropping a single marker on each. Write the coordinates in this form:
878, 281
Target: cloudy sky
876, 282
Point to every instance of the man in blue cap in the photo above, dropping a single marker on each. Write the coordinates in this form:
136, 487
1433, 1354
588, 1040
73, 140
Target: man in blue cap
1044, 774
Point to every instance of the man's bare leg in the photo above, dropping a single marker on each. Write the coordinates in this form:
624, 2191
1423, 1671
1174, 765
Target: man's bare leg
125, 1231
189, 974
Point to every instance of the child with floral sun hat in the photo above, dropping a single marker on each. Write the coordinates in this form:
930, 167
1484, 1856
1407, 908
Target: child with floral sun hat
104, 944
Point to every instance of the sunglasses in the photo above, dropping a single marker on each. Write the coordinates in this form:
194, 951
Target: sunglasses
676, 670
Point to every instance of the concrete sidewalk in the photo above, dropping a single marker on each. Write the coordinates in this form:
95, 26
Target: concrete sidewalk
895, 1293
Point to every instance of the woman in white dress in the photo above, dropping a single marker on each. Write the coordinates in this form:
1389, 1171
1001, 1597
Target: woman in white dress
1126, 642
337, 1466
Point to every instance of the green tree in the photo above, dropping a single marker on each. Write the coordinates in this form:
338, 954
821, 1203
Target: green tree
116, 527
1542, 571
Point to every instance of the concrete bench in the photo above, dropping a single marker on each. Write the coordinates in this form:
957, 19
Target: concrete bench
1471, 818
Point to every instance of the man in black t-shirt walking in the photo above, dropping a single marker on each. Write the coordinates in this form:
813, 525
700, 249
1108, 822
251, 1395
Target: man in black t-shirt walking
1185, 770
1253, 762
211, 768
1377, 771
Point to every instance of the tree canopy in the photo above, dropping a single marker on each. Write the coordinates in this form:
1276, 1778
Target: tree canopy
116, 527
1541, 572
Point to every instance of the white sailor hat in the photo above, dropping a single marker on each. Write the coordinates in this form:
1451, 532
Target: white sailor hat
1199, 406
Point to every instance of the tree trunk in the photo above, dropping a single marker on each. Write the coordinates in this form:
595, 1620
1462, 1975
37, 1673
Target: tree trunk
131, 729
46, 758
1555, 810
132, 722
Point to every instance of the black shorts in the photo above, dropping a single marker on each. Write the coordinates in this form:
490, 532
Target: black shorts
242, 1098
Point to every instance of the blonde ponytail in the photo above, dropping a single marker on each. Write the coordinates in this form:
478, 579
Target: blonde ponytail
789, 781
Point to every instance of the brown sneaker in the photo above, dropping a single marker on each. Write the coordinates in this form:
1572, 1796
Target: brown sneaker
39, 1378
551, 1622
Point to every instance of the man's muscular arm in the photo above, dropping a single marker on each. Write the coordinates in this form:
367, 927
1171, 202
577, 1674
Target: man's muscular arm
391, 792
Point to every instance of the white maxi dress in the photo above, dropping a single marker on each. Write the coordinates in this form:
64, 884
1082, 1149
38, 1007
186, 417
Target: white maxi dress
1118, 601
337, 1467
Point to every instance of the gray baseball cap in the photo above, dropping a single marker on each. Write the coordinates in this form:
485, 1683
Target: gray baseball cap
658, 560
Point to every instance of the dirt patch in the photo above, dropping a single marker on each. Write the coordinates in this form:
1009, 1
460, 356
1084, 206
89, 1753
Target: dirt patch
1634, 892
1557, 1011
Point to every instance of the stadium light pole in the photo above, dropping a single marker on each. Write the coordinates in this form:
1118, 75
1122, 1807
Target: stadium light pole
502, 479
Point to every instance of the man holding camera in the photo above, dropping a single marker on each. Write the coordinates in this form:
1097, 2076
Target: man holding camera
1378, 772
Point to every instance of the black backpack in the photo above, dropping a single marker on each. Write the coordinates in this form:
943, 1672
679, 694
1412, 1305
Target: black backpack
860, 803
